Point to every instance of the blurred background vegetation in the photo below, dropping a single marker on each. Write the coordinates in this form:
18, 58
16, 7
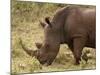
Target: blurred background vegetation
25, 18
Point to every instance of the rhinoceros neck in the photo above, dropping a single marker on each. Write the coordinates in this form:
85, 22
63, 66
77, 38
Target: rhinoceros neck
58, 22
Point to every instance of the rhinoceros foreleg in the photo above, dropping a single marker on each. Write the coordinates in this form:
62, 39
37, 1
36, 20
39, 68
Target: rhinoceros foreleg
52, 58
78, 44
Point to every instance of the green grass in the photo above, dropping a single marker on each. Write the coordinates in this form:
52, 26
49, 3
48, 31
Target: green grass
25, 25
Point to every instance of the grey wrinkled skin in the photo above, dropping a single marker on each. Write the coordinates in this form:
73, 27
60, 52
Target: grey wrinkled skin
75, 26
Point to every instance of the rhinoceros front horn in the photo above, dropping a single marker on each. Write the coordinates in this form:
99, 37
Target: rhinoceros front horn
28, 51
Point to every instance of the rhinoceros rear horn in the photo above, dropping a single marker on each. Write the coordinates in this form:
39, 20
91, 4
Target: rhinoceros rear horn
38, 45
48, 21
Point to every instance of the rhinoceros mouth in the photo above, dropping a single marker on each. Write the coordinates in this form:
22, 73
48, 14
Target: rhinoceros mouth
44, 60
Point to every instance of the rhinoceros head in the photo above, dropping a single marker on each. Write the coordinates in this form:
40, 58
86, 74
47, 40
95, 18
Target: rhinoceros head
47, 51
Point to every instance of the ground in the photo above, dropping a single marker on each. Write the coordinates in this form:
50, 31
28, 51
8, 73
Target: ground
25, 25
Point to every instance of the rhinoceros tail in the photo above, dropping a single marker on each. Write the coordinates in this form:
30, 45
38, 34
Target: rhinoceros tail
27, 50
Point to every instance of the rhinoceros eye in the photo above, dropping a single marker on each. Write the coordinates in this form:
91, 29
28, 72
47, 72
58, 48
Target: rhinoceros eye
46, 46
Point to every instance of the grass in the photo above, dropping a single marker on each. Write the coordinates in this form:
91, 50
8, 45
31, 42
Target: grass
25, 25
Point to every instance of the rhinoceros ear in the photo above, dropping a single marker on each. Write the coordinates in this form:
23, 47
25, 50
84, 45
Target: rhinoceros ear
42, 24
38, 45
48, 21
